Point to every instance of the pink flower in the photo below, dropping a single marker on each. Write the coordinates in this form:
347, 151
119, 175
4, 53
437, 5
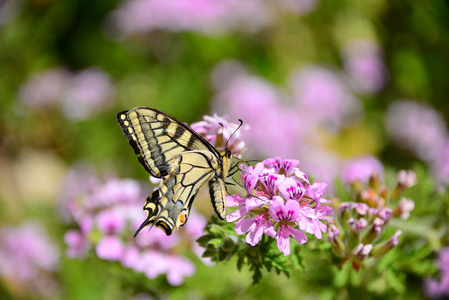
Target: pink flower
439, 289
178, 269
405, 207
77, 94
239, 94
361, 169
407, 178
323, 97
280, 202
29, 258
113, 210
256, 227
110, 222
364, 64
426, 138
110, 248
46, 88
206, 16
90, 90
285, 215
77, 243
217, 130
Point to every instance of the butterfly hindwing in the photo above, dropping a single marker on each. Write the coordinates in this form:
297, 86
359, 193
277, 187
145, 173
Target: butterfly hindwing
169, 206
171, 150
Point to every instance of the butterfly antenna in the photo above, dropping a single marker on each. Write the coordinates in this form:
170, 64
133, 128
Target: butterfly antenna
222, 133
241, 123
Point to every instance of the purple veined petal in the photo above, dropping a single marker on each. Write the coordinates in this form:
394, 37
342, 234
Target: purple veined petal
297, 234
324, 210
255, 202
239, 213
317, 190
271, 181
234, 200
301, 176
245, 225
283, 241
274, 162
306, 224
269, 228
276, 209
250, 182
110, 248
255, 235
289, 164
291, 210
290, 188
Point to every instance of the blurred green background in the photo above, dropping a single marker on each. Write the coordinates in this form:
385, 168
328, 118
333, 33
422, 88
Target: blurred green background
168, 62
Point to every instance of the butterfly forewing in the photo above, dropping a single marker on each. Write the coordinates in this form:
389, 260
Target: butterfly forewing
158, 137
171, 150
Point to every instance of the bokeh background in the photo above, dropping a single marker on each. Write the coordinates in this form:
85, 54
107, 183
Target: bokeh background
315, 80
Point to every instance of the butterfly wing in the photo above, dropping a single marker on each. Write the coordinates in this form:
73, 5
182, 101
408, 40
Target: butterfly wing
169, 206
158, 137
171, 150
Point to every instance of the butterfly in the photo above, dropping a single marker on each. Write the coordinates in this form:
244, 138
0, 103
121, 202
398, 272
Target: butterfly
184, 160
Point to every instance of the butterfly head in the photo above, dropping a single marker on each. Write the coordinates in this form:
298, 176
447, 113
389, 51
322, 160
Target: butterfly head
227, 153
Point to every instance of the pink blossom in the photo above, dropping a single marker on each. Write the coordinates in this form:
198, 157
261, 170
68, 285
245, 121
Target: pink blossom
256, 227
90, 90
285, 214
434, 288
110, 248
113, 210
211, 17
280, 202
218, 131
78, 95
110, 222
238, 97
425, 138
178, 269
406, 179
29, 258
364, 64
405, 207
361, 169
77, 243
323, 97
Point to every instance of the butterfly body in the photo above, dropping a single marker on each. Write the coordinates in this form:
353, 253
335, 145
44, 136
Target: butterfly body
184, 160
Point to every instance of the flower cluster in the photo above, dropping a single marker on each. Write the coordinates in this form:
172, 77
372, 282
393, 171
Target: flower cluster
428, 140
279, 201
356, 229
205, 16
77, 94
107, 215
439, 289
28, 259
218, 131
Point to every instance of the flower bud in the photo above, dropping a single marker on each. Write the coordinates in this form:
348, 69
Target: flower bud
384, 248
